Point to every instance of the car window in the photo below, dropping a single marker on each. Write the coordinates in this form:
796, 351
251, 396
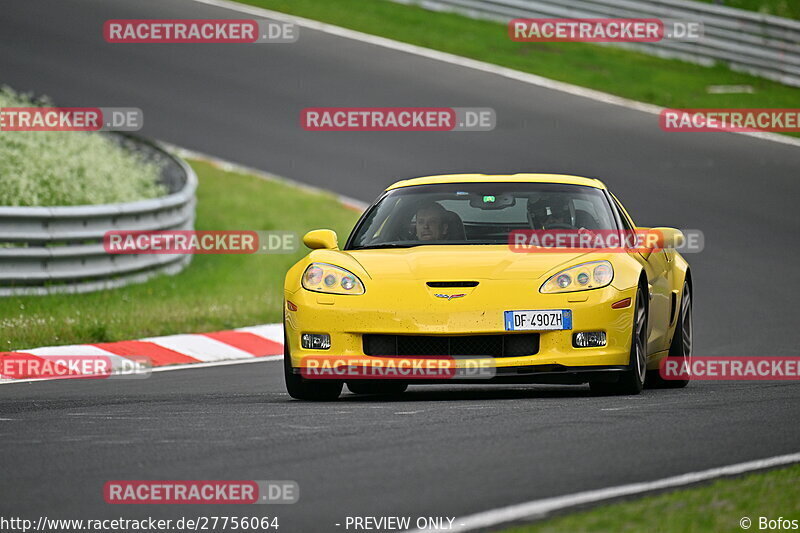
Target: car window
623, 215
478, 213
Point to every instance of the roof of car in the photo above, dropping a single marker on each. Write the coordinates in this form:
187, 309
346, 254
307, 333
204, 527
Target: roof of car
501, 178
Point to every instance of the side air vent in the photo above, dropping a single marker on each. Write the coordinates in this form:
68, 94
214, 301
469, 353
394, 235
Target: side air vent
673, 307
445, 284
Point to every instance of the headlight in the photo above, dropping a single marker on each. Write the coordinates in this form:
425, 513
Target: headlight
580, 278
322, 277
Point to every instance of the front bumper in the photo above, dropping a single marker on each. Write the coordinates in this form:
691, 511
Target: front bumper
410, 308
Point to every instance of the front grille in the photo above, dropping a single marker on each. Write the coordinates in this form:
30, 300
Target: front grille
436, 345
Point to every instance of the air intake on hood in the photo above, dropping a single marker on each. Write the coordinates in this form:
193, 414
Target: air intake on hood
444, 284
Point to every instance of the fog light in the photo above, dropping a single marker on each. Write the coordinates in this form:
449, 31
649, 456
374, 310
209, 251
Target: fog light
315, 341
589, 339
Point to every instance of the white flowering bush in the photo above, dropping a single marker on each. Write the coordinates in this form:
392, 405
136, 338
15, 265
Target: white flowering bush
69, 168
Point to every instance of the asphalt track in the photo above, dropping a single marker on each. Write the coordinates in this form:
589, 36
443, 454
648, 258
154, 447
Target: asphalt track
442, 451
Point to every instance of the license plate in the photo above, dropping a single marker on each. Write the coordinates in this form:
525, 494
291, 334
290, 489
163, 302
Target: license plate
542, 320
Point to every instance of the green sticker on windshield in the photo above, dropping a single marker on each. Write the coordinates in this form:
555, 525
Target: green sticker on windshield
488, 199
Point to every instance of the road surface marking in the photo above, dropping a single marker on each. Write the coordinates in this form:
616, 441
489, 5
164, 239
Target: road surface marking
540, 508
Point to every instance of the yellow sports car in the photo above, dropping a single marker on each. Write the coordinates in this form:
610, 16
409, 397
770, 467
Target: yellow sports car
470, 278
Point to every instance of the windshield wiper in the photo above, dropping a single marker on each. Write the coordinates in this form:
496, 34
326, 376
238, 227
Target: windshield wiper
385, 245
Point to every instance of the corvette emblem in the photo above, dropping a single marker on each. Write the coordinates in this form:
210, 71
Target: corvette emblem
450, 296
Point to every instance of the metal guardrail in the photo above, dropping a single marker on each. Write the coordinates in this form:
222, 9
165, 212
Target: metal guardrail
750, 42
47, 250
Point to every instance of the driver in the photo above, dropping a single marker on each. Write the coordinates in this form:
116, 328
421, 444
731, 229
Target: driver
430, 223
550, 212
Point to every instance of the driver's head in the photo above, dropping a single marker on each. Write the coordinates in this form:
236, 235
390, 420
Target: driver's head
431, 224
550, 209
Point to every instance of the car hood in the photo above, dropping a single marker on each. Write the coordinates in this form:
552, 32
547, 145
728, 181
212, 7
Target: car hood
445, 263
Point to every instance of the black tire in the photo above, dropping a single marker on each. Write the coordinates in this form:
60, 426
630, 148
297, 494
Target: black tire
304, 389
632, 380
377, 387
681, 345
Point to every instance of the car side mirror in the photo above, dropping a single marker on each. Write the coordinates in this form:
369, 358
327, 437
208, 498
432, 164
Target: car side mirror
659, 238
668, 237
321, 239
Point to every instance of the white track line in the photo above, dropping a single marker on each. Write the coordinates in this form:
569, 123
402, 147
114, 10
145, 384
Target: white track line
524, 77
539, 508
167, 368
190, 366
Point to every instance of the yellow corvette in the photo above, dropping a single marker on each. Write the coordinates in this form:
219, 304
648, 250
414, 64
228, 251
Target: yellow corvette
452, 279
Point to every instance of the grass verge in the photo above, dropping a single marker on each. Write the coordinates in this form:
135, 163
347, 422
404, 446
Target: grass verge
641, 77
717, 507
781, 8
215, 292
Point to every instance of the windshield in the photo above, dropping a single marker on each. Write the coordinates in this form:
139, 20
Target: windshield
478, 213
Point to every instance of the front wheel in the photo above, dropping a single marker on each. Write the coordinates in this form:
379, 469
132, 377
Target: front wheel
305, 389
631, 381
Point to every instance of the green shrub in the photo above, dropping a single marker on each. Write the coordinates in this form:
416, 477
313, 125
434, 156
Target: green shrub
69, 168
